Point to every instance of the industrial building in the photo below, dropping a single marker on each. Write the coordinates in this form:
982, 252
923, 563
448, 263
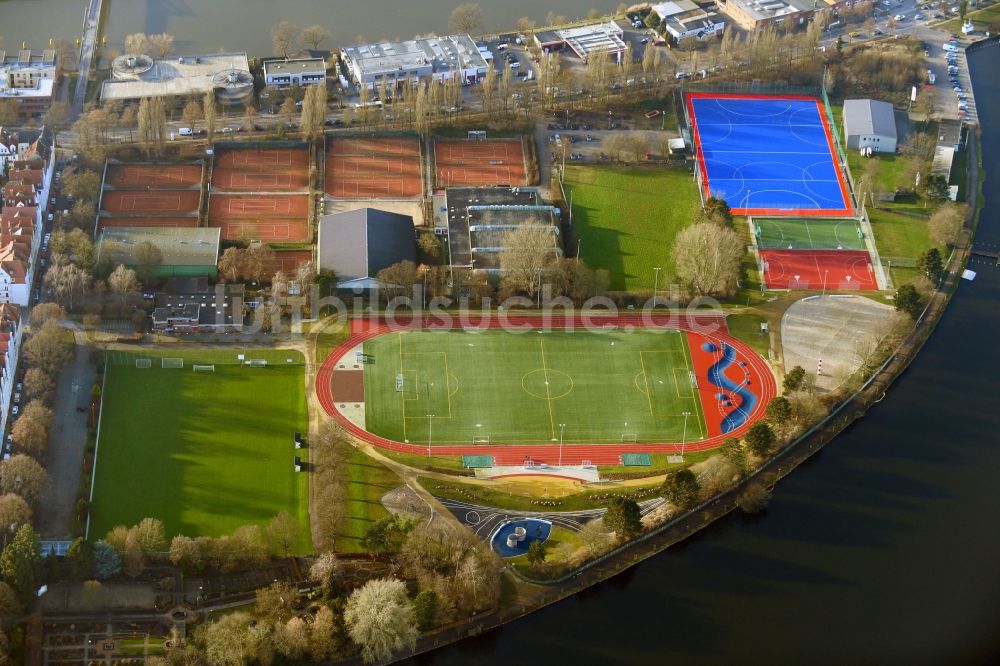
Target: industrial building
437, 58
869, 122
583, 40
29, 78
756, 14
136, 75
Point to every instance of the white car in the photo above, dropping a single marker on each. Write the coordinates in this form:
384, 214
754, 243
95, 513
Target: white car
899, 17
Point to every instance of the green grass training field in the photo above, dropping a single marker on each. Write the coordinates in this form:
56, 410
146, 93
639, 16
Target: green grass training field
801, 234
519, 388
626, 219
203, 452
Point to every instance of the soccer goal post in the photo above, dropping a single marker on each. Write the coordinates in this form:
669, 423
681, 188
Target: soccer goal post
144, 363
203, 368
630, 437
485, 439
171, 362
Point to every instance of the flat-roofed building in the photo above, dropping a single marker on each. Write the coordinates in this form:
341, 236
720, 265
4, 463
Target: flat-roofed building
295, 72
606, 37
438, 58
682, 19
199, 312
135, 75
29, 78
186, 252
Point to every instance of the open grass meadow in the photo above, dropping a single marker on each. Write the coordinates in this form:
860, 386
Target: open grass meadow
519, 388
205, 452
368, 481
627, 218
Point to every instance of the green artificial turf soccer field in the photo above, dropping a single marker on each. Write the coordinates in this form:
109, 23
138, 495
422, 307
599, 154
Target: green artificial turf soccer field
203, 452
518, 388
801, 234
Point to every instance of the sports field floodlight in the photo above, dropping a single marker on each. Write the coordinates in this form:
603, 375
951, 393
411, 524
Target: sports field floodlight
562, 427
685, 431
824, 281
430, 426
656, 282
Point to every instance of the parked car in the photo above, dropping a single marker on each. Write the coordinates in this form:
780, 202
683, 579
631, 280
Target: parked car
14, 410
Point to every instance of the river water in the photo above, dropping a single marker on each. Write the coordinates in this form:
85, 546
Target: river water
208, 26
883, 549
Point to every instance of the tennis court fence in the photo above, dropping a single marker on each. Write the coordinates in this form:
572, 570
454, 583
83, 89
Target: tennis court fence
184, 358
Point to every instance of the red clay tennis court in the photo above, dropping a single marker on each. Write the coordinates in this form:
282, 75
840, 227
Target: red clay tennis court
154, 176
275, 158
148, 222
836, 270
474, 162
289, 261
365, 167
250, 180
162, 201
271, 219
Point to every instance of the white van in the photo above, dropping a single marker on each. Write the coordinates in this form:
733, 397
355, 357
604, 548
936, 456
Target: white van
185, 131
950, 48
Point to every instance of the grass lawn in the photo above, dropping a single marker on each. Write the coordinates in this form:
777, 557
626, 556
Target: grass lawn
901, 237
627, 219
369, 480
491, 496
329, 338
981, 18
518, 388
203, 452
746, 327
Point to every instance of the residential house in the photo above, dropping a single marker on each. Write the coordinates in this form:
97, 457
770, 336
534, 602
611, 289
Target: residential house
10, 347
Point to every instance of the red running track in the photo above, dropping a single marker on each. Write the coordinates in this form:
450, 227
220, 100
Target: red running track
706, 327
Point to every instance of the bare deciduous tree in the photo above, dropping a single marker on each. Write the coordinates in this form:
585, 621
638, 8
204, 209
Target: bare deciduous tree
946, 222
527, 250
312, 36
379, 618
707, 257
467, 17
283, 35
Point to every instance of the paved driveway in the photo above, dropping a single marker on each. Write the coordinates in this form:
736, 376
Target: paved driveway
67, 442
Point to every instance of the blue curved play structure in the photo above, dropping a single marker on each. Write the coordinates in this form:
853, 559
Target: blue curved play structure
514, 537
717, 375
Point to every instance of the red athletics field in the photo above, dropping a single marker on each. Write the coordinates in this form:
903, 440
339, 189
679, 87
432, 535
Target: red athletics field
153, 202
818, 269
153, 176
148, 222
268, 218
475, 163
365, 167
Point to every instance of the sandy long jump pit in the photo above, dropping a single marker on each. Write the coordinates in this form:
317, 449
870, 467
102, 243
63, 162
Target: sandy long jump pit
484, 162
373, 167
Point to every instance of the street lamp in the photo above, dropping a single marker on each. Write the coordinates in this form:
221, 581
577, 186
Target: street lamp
656, 282
685, 431
824, 281
562, 426
430, 430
